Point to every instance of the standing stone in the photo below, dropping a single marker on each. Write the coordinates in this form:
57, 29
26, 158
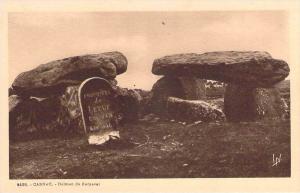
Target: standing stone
162, 90
193, 88
36, 118
52, 78
189, 88
243, 103
70, 100
145, 102
70, 103
284, 90
130, 102
99, 108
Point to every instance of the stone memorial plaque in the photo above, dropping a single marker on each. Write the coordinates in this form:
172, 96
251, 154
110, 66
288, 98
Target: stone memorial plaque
98, 107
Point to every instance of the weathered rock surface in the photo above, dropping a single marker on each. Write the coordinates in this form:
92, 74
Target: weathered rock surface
129, 105
13, 102
70, 103
129, 101
21, 116
62, 114
192, 110
254, 68
145, 102
52, 78
284, 89
217, 103
162, 90
31, 117
182, 87
248, 104
193, 88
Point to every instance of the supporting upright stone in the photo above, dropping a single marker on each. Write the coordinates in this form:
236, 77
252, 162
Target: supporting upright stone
30, 117
193, 88
189, 88
243, 103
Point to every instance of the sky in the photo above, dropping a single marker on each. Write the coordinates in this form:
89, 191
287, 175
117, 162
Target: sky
40, 37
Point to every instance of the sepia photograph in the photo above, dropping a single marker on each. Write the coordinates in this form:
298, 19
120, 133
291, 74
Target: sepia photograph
149, 96
113, 95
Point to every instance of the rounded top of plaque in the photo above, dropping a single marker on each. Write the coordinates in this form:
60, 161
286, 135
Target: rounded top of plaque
91, 79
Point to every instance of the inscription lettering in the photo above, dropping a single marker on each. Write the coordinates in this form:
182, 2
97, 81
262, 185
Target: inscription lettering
97, 94
97, 109
97, 105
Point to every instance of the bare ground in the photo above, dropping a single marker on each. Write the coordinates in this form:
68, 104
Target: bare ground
160, 150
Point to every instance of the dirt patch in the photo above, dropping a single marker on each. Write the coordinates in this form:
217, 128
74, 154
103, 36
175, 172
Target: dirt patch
160, 150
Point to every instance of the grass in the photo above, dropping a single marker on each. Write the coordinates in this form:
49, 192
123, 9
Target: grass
160, 150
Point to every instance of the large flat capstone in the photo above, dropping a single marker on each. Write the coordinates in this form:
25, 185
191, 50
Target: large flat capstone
53, 77
253, 68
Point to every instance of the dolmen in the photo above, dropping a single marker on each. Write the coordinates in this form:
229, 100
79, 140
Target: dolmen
45, 99
250, 77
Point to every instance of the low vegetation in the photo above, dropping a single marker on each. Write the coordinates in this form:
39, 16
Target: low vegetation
161, 149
